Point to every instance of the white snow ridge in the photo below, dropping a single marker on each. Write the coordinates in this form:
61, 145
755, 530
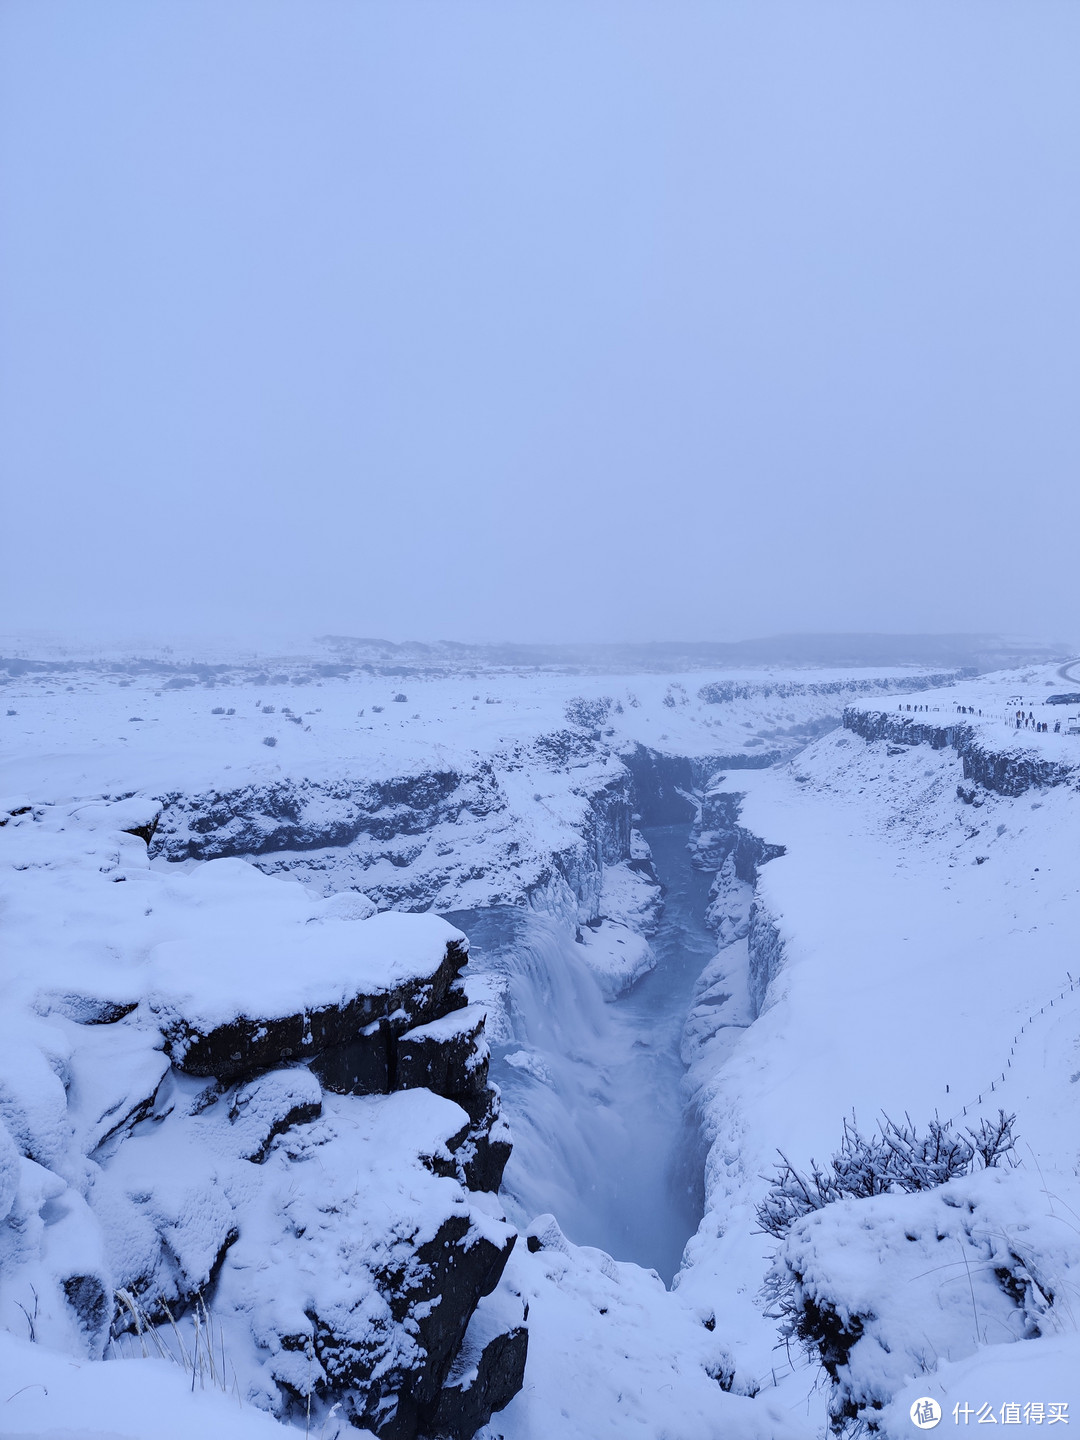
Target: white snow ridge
546, 1055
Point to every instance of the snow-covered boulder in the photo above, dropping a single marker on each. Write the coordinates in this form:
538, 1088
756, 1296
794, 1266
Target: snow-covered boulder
616, 955
889, 1287
318, 988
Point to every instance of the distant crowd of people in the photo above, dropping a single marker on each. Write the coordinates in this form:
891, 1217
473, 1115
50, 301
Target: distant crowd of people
1023, 720
1028, 722
960, 709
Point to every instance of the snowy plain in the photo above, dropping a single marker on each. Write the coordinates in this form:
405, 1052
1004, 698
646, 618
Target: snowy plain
915, 930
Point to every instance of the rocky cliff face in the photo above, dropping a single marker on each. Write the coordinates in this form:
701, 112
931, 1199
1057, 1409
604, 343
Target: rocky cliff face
252, 1111
1004, 770
726, 691
765, 954
668, 789
719, 843
432, 1260
718, 837
534, 824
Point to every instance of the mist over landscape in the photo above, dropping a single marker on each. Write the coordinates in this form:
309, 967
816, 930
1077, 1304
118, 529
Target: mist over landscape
539, 719
542, 323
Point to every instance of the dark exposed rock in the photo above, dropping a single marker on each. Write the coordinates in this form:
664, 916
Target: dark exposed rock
145, 830
487, 1374
434, 1289
544, 1234
726, 691
184, 1271
310, 815
500, 1373
447, 1055
89, 1009
86, 1296
590, 715
486, 1146
130, 1115
363, 1065
718, 835
668, 789
363, 1026
391, 1373
1006, 773
662, 784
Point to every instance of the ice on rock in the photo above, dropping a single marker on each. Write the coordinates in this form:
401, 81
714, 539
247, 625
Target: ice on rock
616, 955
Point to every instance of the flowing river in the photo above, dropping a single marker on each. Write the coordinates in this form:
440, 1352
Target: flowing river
593, 1091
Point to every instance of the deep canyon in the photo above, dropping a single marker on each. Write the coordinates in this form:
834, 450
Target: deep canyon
513, 1193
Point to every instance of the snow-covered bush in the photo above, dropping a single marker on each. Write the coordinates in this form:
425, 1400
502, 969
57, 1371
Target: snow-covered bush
589, 714
908, 1249
896, 1159
883, 1289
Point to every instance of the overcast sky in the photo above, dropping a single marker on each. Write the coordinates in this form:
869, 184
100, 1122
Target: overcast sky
540, 320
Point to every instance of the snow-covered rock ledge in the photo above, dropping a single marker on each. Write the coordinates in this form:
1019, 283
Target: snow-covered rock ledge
311, 1179
532, 823
1006, 765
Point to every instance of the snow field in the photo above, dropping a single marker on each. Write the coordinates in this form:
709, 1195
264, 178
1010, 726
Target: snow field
917, 932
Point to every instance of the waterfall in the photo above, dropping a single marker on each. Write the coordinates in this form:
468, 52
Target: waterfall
593, 1091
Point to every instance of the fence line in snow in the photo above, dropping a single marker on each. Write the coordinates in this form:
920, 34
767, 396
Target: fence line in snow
999, 1080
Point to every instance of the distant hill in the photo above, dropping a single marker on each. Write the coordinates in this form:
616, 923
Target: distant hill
206, 661
842, 651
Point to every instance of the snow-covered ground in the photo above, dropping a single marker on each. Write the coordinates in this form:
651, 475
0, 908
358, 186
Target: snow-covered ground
928, 931
912, 950
87, 734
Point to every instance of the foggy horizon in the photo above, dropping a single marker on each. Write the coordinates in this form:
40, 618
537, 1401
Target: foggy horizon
567, 324
797, 649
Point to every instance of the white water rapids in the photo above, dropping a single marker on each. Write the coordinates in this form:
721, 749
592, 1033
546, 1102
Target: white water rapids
593, 1091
